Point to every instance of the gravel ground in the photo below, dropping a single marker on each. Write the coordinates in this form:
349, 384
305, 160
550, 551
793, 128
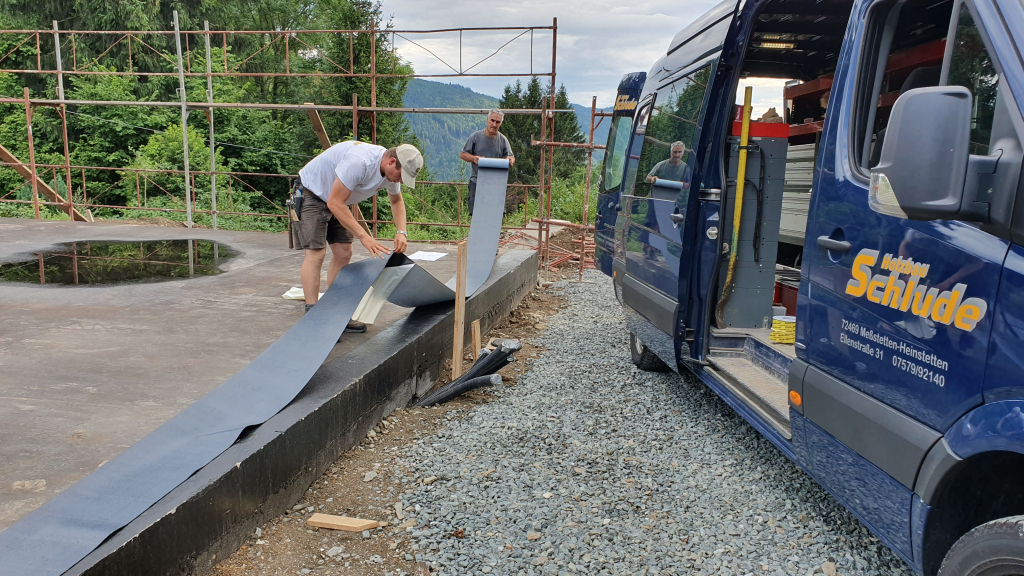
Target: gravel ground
590, 466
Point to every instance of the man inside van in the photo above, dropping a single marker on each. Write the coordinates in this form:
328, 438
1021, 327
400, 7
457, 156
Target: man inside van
340, 177
673, 168
486, 143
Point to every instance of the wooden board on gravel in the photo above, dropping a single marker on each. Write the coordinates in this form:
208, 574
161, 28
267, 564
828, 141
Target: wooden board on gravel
341, 523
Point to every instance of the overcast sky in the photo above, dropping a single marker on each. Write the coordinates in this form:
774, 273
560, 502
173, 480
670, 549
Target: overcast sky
598, 42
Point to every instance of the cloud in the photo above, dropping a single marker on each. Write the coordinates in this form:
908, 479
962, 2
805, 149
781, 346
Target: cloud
598, 41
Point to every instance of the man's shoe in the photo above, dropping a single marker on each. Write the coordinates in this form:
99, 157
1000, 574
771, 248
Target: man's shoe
355, 326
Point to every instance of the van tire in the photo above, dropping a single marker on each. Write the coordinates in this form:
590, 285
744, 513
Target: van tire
643, 357
995, 548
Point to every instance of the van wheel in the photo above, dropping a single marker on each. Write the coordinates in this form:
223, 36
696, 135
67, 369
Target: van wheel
995, 548
643, 357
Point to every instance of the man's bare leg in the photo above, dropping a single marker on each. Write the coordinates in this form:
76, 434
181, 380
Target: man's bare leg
311, 266
341, 254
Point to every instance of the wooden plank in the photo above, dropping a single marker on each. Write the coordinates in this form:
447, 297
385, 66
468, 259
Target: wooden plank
475, 329
318, 127
341, 523
25, 172
460, 309
925, 54
809, 128
815, 87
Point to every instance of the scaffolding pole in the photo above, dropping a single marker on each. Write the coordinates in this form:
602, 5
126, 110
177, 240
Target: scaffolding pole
213, 149
184, 121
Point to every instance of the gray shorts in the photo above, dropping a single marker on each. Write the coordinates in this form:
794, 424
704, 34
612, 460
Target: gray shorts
318, 227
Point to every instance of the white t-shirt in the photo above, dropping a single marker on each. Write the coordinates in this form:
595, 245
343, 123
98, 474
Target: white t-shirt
356, 164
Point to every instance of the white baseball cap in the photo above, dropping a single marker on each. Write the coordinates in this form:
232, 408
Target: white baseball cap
412, 162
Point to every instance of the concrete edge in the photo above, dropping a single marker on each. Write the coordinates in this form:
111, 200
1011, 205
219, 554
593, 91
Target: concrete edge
268, 470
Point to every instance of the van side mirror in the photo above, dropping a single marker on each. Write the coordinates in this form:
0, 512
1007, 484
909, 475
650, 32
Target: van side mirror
921, 174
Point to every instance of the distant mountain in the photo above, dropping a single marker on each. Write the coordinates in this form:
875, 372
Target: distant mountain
444, 135
600, 132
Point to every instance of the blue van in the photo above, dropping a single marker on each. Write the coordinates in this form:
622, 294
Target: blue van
848, 275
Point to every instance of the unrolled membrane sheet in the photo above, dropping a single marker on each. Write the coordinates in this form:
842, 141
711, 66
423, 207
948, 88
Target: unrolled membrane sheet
61, 532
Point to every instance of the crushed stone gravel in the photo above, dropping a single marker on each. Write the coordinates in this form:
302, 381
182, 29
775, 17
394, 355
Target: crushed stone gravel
599, 468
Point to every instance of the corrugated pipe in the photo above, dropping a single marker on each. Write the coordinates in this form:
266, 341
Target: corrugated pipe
458, 388
482, 373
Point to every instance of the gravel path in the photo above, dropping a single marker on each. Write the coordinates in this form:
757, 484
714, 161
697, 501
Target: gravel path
599, 468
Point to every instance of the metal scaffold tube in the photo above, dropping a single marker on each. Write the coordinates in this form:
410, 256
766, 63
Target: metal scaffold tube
184, 121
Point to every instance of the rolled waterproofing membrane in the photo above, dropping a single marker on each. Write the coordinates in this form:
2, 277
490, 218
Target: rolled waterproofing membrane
60, 533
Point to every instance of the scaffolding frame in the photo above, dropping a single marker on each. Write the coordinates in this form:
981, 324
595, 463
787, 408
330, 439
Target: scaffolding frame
183, 69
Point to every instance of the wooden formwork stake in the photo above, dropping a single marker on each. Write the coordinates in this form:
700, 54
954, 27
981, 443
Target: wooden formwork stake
475, 329
460, 309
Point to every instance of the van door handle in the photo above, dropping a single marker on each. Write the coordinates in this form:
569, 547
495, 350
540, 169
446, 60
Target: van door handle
677, 218
836, 245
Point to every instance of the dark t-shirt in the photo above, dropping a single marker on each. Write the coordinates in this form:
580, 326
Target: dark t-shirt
666, 171
479, 144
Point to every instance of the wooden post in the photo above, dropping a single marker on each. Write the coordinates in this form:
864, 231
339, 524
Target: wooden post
475, 329
460, 309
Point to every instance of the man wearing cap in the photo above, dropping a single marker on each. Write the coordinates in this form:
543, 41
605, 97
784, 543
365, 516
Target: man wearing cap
333, 183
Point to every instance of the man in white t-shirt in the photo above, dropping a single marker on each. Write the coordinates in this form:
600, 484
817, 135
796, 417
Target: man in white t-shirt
333, 182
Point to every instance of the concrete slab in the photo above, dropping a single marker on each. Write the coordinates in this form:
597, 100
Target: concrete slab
87, 371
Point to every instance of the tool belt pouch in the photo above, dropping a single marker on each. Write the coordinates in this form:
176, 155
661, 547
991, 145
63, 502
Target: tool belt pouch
296, 205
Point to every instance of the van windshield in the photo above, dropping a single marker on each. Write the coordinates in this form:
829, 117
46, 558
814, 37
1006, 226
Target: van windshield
615, 153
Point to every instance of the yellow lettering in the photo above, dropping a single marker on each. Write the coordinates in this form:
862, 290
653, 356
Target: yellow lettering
907, 294
969, 313
861, 272
946, 304
924, 270
876, 284
893, 289
887, 262
922, 306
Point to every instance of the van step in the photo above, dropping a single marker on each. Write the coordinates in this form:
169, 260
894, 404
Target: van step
757, 387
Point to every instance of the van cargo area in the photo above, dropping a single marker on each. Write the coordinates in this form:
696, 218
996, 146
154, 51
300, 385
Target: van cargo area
799, 42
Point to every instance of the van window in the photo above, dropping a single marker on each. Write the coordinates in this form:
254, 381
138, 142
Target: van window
615, 153
903, 49
671, 133
971, 67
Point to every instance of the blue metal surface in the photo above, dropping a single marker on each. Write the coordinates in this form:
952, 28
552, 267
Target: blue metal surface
704, 25
705, 253
626, 101
929, 370
882, 503
998, 426
1004, 378
935, 365
919, 512
653, 244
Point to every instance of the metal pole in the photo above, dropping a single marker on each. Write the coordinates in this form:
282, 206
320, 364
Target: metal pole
586, 189
540, 190
551, 157
213, 149
32, 160
184, 120
63, 121
373, 100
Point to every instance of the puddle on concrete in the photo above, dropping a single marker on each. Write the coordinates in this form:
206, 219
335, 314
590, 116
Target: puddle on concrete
104, 263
